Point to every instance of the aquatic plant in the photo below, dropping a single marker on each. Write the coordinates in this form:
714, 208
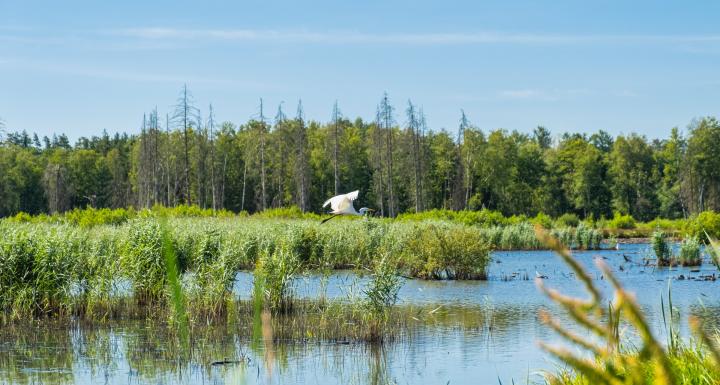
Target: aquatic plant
381, 295
661, 248
611, 363
275, 272
142, 261
713, 250
38, 268
436, 252
690, 252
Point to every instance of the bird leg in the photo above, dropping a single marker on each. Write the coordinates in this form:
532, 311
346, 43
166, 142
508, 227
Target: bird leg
327, 219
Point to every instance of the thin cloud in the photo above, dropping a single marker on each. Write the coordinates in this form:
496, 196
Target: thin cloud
344, 37
528, 94
121, 75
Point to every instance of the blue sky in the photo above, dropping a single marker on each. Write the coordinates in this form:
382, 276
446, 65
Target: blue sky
623, 66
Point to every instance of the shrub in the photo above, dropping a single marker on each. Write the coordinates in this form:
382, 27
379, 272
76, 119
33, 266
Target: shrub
543, 220
567, 220
705, 223
482, 218
622, 222
661, 248
690, 252
292, 212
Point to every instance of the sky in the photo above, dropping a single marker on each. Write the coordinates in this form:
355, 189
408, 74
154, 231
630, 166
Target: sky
78, 67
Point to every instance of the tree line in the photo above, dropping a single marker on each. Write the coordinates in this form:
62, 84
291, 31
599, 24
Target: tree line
398, 162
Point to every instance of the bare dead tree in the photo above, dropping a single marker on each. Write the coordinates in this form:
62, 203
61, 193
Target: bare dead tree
169, 201
211, 125
201, 168
336, 146
301, 161
263, 130
57, 190
463, 185
387, 124
377, 160
185, 113
422, 127
154, 126
413, 130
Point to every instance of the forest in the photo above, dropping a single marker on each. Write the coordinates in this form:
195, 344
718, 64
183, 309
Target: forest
398, 162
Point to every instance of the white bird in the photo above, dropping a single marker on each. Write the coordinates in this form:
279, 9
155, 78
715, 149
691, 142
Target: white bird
343, 205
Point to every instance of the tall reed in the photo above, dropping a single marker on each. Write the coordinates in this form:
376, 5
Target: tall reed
661, 248
690, 252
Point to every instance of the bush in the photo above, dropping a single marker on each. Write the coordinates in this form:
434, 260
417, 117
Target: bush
567, 220
292, 212
482, 218
661, 248
622, 222
543, 220
705, 222
690, 252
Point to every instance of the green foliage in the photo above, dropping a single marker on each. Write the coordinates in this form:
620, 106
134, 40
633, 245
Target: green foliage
622, 222
382, 290
381, 295
493, 177
275, 272
567, 220
38, 267
445, 252
143, 262
690, 252
90, 217
482, 218
543, 220
292, 212
707, 222
661, 248
713, 250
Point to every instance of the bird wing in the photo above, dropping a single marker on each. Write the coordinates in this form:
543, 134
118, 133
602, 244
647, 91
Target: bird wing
353, 195
327, 202
346, 204
342, 202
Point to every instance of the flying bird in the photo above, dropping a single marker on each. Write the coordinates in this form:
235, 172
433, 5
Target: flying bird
343, 205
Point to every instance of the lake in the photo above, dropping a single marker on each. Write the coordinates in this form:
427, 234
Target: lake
471, 332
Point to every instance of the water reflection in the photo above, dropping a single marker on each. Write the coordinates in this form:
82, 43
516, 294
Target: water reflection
462, 332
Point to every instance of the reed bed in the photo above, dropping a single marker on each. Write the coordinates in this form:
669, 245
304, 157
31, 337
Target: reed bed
522, 237
49, 268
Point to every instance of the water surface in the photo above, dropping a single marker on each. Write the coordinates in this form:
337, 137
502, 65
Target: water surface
479, 332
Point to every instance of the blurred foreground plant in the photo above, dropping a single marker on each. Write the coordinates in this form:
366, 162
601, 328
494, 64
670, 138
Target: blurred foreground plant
649, 362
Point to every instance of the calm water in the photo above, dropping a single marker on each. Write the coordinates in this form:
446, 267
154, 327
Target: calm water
454, 349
